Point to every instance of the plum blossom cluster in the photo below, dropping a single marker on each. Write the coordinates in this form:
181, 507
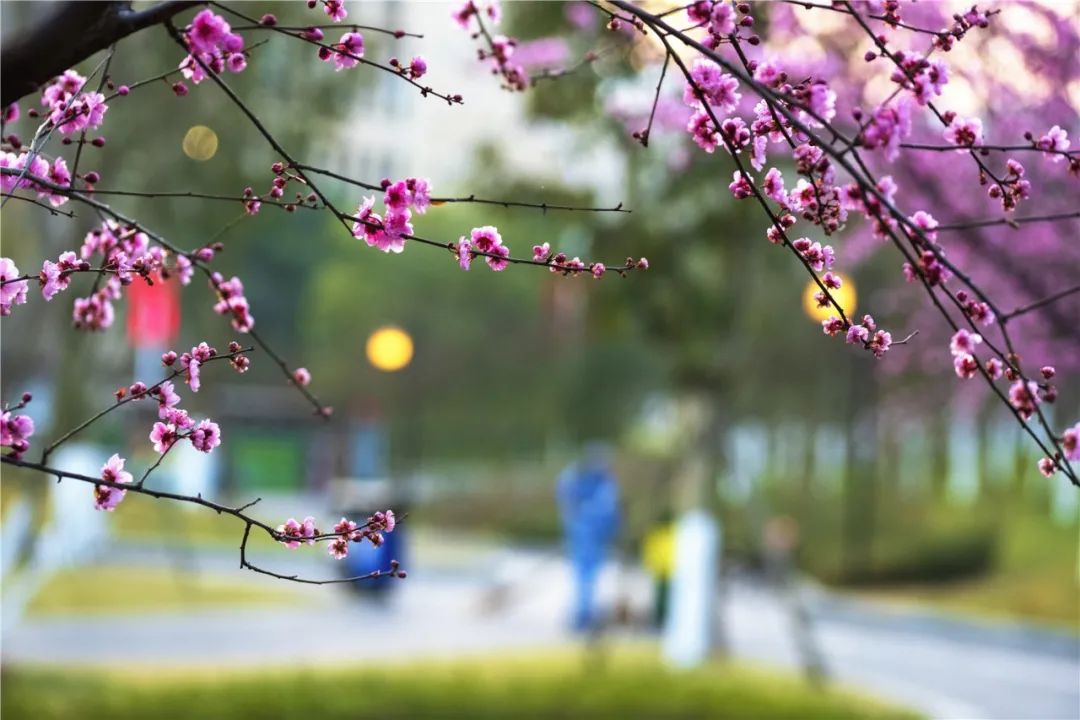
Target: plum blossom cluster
56, 276
292, 533
866, 334
211, 45
174, 423
1024, 395
56, 172
1054, 144
416, 69
232, 302
925, 78
283, 176
886, 127
486, 242
126, 253
177, 425
107, 497
1011, 188
372, 530
13, 289
719, 19
69, 108
15, 429
389, 231
962, 23
818, 258
1070, 450
334, 9
558, 262
815, 195
345, 53
500, 48
962, 346
709, 86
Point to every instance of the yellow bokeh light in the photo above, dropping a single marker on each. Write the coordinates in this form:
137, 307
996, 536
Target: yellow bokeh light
845, 296
389, 348
200, 143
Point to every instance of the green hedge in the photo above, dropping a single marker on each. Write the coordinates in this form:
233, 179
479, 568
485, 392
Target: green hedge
928, 554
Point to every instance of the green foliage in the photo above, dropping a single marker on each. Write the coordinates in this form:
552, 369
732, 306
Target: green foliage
549, 685
503, 359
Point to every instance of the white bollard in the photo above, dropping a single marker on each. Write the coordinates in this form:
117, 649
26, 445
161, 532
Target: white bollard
688, 630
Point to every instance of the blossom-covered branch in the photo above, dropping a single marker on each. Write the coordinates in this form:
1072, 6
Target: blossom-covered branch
812, 103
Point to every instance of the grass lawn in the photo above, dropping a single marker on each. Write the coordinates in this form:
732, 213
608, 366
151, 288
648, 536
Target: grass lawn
105, 590
629, 684
142, 519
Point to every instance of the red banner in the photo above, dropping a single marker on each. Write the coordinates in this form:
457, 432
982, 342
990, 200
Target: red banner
153, 318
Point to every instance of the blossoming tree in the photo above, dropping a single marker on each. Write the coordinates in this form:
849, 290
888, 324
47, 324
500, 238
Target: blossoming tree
812, 144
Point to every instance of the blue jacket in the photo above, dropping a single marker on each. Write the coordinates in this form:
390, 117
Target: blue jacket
589, 504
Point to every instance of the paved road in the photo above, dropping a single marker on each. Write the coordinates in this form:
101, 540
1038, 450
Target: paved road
497, 599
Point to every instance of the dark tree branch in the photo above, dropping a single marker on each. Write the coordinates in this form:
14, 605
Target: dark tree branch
69, 35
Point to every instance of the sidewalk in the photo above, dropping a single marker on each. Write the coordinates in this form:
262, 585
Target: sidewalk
474, 598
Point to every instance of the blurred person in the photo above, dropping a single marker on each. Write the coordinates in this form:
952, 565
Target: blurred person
781, 541
658, 557
588, 496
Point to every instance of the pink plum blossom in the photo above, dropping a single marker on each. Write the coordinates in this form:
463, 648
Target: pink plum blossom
719, 89
1024, 397
298, 532
348, 529
486, 238
301, 377
773, 186
966, 132
15, 432
1070, 442
396, 196
740, 187
497, 260
464, 253
722, 19
335, 10
964, 342
347, 51
207, 31
703, 131
205, 436
163, 436
419, 194
338, 549
105, 496
966, 366
857, 335
418, 67
1055, 139
166, 397
925, 222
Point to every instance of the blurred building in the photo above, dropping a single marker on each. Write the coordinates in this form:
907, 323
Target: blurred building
390, 132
